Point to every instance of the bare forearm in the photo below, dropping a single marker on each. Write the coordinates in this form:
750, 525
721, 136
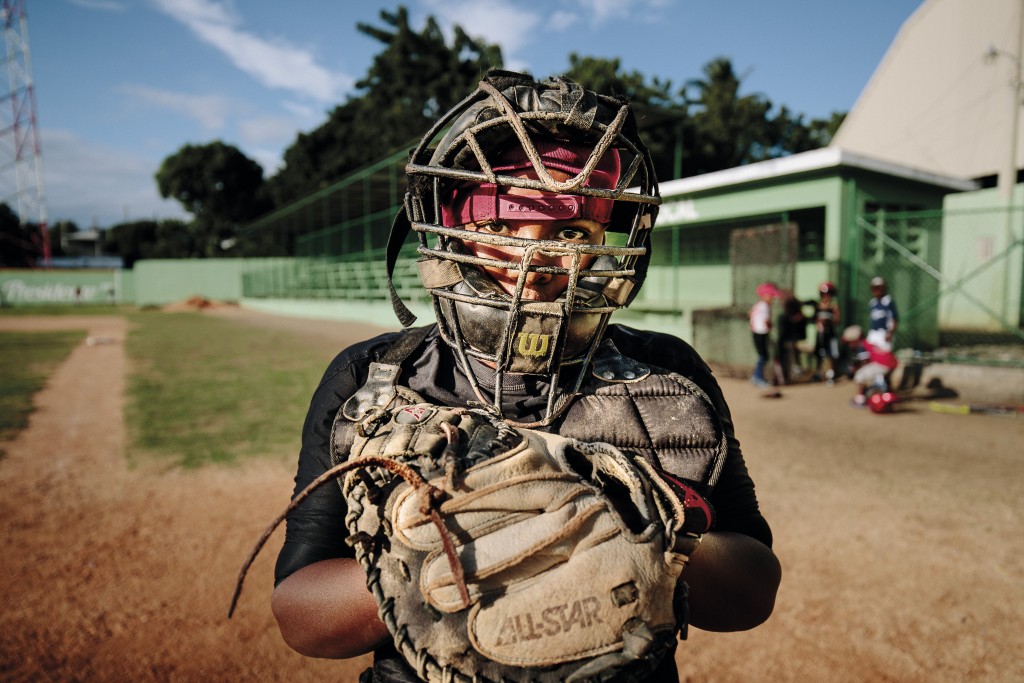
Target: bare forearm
325, 610
733, 580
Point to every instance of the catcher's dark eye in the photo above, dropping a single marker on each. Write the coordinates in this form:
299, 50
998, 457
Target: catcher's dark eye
492, 227
574, 233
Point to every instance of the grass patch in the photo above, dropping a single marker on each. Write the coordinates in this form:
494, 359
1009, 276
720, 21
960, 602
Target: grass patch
205, 390
27, 359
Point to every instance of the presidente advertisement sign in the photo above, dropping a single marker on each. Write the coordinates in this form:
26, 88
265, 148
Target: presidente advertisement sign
17, 291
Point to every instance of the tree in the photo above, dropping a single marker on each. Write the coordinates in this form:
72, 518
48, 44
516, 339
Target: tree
729, 130
706, 125
813, 135
661, 116
418, 76
171, 238
58, 233
220, 186
129, 240
411, 81
20, 245
605, 76
215, 181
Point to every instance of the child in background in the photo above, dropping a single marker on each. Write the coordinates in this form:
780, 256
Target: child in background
760, 327
884, 318
792, 330
871, 364
826, 321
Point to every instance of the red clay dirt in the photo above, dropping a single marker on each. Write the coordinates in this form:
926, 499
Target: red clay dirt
899, 535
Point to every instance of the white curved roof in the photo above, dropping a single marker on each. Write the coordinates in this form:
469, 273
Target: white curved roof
943, 99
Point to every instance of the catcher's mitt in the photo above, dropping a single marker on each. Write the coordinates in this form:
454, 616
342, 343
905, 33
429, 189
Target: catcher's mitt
510, 555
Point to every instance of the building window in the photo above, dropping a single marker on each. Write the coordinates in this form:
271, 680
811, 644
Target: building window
900, 223
811, 240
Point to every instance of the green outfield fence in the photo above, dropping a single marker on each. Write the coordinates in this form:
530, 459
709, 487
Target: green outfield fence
339, 236
347, 220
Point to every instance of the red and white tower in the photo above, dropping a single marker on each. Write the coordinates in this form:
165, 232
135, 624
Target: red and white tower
21, 163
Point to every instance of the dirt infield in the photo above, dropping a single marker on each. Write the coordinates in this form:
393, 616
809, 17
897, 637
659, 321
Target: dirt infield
900, 539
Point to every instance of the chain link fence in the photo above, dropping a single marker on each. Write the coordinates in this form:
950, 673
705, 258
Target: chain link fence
339, 236
335, 278
347, 220
765, 253
955, 278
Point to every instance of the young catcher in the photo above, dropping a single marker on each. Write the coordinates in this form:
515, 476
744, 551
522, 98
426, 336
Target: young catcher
528, 492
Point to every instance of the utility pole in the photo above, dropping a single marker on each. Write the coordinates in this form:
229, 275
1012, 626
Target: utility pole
21, 165
1007, 181
1008, 175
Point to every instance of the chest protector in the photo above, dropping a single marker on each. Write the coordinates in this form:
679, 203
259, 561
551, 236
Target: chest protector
661, 416
622, 621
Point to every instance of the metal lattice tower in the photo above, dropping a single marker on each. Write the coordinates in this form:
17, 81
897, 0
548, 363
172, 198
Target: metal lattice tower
21, 165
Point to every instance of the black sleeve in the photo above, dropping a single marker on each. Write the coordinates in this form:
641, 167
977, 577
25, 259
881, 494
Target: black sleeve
316, 529
733, 497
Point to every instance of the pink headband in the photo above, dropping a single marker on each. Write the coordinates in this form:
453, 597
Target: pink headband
486, 201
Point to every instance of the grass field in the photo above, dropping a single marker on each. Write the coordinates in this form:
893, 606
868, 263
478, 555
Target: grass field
207, 390
26, 360
200, 389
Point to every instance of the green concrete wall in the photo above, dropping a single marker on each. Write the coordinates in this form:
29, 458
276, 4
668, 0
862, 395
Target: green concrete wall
370, 312
976, 257
164, 281
843, 194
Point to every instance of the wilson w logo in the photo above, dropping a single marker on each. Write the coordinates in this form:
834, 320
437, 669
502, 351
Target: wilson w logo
531, 344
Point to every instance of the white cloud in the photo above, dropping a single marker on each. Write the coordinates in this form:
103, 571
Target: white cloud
302, 112
274, 63
102, 5
496, 21
210, 111
260, 130
516, 64
514, 28
561, 20
91, 183
604, 11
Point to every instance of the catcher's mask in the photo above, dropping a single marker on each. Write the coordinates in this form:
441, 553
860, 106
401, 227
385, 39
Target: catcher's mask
514, 132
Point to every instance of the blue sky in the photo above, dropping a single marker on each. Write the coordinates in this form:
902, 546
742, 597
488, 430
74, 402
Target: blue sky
122, 84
